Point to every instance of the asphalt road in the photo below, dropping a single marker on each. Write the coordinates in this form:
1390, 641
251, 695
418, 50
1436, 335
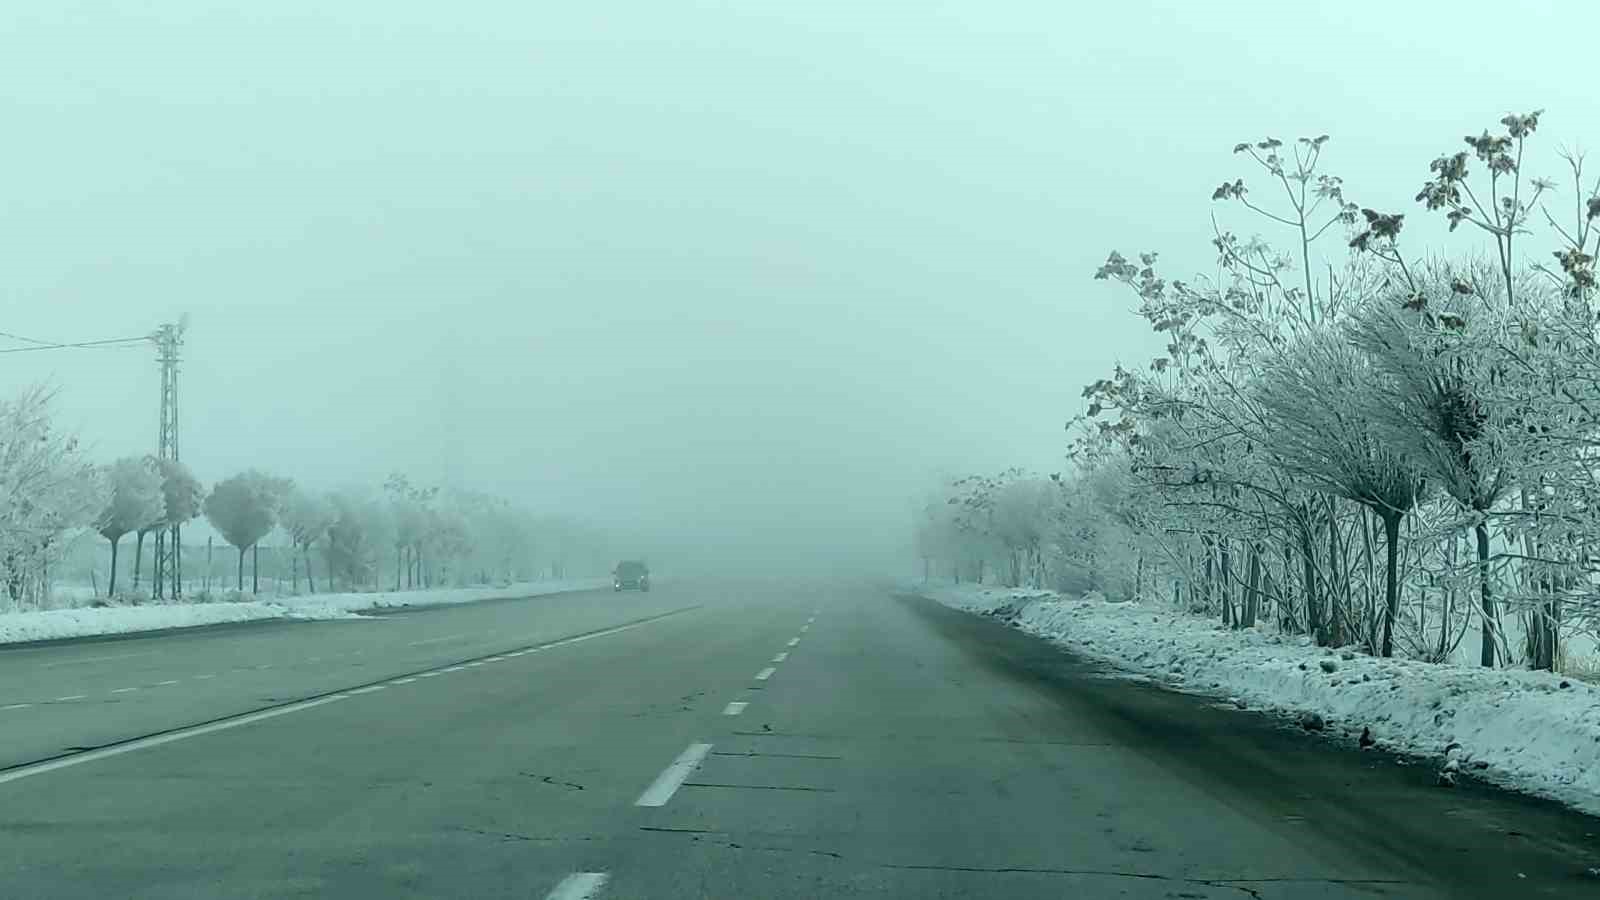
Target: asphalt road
704, 741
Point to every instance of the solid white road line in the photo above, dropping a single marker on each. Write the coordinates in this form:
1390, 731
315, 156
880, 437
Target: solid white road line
428, 675
579, 886
454, 669
668, 782
472, 664
123, 690
366, 690
67, 699
157, 740
794, 642
165, 683
403, 681
734, 708
495, 659
764, 674
16, 706
781, 656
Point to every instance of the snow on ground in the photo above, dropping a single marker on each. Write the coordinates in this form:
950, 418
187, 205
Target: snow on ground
85, 621
1533, 731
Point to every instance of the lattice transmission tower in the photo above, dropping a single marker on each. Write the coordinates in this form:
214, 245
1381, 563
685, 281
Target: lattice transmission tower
169, 544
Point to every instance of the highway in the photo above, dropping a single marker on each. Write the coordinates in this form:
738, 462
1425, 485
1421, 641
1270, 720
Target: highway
704, 740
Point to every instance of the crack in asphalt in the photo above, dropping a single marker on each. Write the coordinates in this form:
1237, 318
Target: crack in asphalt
759, 787
828, 853
529, 838
550, 779
1238, 884
1247, 886
775, 755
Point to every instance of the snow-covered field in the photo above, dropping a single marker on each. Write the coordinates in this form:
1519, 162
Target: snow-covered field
1533, 731
87, 621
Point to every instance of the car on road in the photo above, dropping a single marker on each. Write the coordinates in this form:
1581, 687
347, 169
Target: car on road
631, 575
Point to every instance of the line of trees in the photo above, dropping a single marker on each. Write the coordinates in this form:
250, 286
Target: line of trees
1360, 443
51, 495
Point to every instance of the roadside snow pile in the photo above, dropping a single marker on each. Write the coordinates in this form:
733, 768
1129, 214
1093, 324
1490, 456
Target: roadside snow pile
86, 621
1534, 731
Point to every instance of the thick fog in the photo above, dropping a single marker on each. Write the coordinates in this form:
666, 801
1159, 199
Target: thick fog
731, 282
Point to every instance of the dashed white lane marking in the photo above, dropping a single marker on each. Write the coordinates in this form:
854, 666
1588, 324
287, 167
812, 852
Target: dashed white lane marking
668, 782
203, 677
366, 690
764, 674
734, 708
471, 664
495, 659
437, 640
794, 642
69, 699
810, 620
579, 886
157, 740
403, 681
16, 706
428, 675
804, 628
165, 683
781, 656
454, 669
124, 690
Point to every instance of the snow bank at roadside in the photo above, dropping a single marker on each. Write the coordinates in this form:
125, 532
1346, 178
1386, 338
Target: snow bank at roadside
1533, 731
89, 621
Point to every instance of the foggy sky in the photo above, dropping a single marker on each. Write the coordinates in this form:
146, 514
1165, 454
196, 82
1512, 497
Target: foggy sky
737, 277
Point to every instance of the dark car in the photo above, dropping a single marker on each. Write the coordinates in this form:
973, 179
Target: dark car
631, 575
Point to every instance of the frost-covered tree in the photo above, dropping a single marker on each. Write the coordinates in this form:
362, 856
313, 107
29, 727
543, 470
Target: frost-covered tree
48, 489
135, 500
1323, 432
306, 518
353, 538
244, 509
181, 496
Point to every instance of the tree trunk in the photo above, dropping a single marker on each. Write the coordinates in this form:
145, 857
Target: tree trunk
399, 553
1490, 616
111, 588
177, 563
1226, 586
255, 568
1336, 593
1252, 601
294, 570
1308, 574
1391, 587
1138, 579
138, 557
311, 578
240, 587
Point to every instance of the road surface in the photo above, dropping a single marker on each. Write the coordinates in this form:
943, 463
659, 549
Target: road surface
703, 741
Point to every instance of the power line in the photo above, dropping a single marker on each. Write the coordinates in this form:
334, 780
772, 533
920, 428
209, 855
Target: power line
105, 343
26, 340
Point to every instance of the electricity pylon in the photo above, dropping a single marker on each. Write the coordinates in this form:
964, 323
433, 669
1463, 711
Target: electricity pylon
169, 546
